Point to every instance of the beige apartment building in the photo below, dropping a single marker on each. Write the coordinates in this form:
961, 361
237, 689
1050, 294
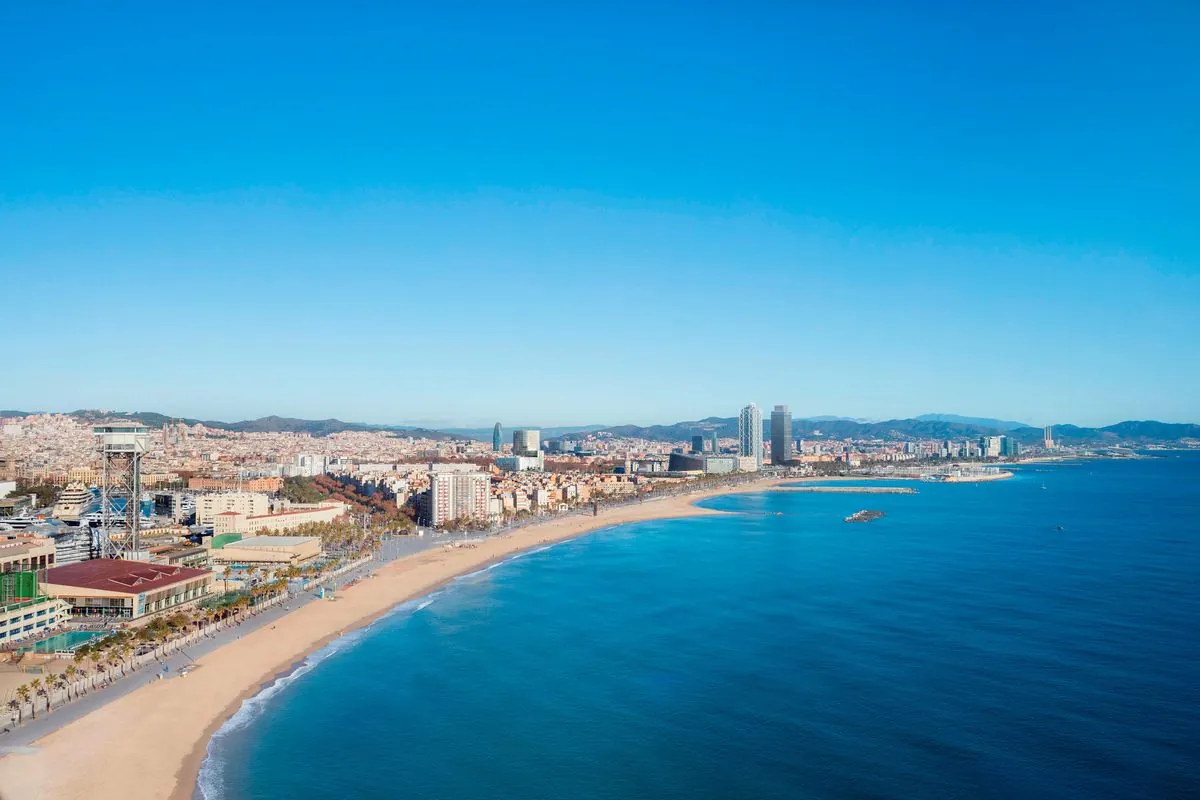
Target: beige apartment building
294, 517
249, 504
268, 484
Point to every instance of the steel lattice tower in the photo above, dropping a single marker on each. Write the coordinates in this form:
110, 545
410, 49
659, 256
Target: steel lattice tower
122, 445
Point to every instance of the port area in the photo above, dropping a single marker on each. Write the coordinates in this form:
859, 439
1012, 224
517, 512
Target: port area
846, 489
863, 516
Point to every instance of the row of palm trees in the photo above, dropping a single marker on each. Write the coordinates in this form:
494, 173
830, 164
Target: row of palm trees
77, 678
97, 664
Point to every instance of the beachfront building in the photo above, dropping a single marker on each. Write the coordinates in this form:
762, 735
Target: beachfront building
781, 436
126, 590
25, 609
209, 506
234, 522
750, 434
273, 550
457, 494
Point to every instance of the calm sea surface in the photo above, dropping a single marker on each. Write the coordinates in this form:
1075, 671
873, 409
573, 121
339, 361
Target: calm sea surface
960, 647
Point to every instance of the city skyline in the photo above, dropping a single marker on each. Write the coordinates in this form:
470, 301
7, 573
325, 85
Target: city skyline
1001, 222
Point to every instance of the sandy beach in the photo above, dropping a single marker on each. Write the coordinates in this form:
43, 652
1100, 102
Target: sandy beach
150, 743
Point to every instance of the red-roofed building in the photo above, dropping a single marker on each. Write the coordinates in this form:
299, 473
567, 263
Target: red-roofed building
106, 587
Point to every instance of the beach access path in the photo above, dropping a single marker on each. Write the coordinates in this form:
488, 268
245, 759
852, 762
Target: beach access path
143, 738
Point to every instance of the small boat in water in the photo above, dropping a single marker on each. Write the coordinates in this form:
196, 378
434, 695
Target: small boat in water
863, 516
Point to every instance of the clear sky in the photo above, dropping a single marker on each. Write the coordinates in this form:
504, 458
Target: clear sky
555, 213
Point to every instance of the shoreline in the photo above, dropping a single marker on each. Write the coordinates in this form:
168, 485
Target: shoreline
160, 732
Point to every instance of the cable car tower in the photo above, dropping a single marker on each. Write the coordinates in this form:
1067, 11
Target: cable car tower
122, 445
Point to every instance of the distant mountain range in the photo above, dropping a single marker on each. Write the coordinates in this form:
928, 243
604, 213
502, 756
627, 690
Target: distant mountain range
929, 426
926, 426
981, 422
272, 424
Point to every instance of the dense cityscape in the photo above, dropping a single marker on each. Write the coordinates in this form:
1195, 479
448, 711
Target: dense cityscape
224, 520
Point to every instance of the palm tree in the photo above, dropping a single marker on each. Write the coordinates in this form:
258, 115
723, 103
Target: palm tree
60, 683
23, 693
35, 687
71, 673
15, 705
95, 657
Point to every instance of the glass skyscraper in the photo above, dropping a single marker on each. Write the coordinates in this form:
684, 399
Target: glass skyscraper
497, 438
781, 436
750, 433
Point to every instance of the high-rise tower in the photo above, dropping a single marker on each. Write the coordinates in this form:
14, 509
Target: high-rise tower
526, 442
781, 436
497, 438
750, 433
122, 445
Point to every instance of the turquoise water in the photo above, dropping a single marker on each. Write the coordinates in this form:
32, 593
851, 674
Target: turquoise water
68, 641
962, 646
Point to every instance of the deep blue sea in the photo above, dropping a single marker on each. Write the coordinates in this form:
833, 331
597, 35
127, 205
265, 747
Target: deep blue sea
962, 646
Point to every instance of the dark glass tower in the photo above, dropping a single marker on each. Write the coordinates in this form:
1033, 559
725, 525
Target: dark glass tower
781, 436
497, 437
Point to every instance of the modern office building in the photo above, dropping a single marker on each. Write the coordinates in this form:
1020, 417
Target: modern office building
497, 438
781, 436
719, 465
698, 444
1009, 448
990, 446
526, 442
456, 494
750, 433
685, 462
520, 463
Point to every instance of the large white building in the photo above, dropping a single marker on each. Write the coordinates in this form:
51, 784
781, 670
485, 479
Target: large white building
456, 494
306, 465
750, 433
521, 463
250, 504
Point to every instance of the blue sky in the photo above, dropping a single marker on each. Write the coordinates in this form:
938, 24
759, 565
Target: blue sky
613, 213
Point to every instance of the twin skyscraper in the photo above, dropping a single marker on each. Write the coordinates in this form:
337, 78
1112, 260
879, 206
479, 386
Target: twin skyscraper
750, 434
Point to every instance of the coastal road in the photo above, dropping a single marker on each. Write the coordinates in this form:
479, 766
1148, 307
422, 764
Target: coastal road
21, 738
